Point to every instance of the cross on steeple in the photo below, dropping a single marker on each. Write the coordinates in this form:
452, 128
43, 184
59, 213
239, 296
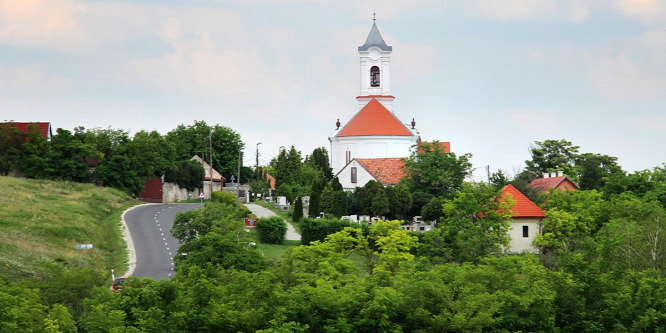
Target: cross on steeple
374, 16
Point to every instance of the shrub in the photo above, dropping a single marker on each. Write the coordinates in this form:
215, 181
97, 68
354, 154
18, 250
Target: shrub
298, 210
272, 230
317, 229
224, 197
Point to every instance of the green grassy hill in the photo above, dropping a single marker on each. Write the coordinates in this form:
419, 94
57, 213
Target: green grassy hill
40, 221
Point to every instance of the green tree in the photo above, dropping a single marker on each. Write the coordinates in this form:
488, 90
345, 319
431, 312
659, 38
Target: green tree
433, 171
499, 179
552, 155
593, 169
196, 139
473, 225
400, 201
11, 144
298, 211
319, 160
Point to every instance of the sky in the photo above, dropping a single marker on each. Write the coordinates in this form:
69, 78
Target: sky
490, 76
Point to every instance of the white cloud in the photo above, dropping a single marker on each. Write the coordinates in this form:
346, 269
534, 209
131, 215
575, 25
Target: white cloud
579, 12
534, 123
509, 10
49, 24
31, 79
650, 11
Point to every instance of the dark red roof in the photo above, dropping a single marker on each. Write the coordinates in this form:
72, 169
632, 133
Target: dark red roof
388, 171
562, 182
524, 207
374, 119
446, 146
44, 128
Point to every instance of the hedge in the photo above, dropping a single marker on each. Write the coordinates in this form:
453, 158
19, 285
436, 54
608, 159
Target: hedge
271, 230
317, 229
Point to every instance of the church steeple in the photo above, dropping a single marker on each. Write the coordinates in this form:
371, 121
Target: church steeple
375, 58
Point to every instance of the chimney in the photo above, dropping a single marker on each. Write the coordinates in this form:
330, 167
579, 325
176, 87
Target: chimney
553, 174
545, 175
560, 173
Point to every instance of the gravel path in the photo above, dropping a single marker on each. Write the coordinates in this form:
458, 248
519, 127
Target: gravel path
265, 212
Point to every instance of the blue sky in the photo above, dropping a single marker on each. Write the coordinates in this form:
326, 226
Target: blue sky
490, 76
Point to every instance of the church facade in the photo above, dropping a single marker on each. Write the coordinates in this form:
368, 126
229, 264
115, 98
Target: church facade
374, 131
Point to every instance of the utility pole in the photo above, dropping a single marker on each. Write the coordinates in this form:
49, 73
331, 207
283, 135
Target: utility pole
256, 167
488, 169
203, 159
210, 158
239, 177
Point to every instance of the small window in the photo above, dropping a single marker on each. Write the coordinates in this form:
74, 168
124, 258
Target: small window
353, 175
422, 228
526, 231
374, 76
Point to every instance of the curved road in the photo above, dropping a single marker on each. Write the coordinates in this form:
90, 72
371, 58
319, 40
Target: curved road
150, 229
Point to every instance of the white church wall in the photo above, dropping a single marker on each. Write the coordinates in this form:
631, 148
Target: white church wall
345, 176
369, 147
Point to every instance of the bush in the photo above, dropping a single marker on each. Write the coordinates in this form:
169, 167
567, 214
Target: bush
272, 230
224, 197
317, 229
298, 211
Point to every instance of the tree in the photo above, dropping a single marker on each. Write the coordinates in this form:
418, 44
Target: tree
473, 225
11, 143
433, 171
319, 160
433, 210
196, 139
499, 179
367, 202
187, 174
400, 201
593, 169
298, 211
552, 155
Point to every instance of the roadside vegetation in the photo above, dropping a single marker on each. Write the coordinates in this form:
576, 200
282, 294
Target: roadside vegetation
42, 220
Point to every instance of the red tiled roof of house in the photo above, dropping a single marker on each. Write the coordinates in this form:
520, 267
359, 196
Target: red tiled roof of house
544, 184
446, 146
524, 207
44, 128
271, 179
388, 171
374, 119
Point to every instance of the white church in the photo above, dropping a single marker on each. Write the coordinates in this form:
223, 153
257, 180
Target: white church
374, 133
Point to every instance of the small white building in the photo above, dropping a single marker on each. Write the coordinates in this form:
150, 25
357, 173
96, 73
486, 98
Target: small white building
388, 171
526, 222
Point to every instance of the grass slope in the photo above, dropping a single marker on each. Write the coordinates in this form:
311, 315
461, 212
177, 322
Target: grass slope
40, 221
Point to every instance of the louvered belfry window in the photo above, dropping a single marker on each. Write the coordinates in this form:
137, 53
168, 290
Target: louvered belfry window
374, 76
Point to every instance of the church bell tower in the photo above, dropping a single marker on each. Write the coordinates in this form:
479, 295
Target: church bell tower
375, 59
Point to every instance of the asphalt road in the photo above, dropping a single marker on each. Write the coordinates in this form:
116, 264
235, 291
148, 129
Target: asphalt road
150, 229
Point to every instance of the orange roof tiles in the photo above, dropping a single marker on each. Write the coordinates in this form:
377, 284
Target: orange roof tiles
374, 119
388, 171
562, 182
446, 146
524, 207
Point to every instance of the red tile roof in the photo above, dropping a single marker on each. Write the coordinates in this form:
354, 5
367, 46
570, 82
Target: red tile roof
374, 119
562, 182
388, 171
446, 146
44, 128
524, 207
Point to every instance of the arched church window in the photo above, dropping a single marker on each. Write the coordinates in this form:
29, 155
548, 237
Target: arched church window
374, 76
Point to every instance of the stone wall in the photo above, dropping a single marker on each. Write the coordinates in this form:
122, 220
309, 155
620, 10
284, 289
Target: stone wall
172, 193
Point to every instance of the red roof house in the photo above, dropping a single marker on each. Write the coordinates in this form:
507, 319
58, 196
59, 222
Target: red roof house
524, 207
43, 127
374, 120
526, 223
388, 171
549, 181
